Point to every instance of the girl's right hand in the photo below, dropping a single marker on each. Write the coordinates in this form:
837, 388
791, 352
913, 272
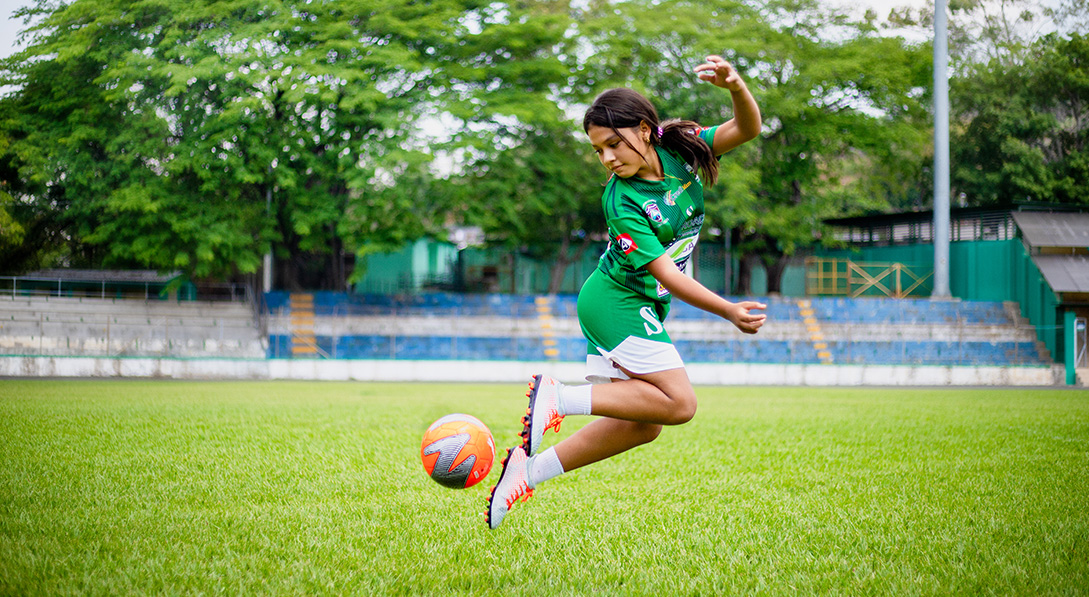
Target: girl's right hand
720, 73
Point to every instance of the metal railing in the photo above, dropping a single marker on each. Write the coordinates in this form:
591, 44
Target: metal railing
843, 277
1081, 338
30, 286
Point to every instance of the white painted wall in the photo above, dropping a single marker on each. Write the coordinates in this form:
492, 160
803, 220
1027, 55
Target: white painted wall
517, 372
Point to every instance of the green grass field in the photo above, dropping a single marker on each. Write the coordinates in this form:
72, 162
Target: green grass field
122, 487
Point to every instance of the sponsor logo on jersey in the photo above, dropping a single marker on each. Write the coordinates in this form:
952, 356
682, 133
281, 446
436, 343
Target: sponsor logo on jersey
691, 226
671, 196
680, 249
653, 212
627, 245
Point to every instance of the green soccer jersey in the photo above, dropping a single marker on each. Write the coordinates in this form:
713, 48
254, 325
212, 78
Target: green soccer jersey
651, 218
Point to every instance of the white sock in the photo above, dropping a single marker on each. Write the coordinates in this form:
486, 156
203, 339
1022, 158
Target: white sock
575, 400
543, 467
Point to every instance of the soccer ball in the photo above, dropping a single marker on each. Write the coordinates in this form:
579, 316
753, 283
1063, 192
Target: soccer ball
458, 451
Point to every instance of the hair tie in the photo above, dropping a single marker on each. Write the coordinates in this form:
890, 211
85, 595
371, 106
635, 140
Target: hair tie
659, 132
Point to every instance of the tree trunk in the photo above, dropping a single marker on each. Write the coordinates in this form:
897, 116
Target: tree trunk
513, 260
775, 269
556, 273
563, 261
744, 274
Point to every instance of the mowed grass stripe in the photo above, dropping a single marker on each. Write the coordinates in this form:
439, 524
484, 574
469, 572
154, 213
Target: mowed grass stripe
111, 487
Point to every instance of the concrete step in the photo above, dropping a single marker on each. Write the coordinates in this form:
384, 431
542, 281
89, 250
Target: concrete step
117, 330
88, 327
175, 347
53, 305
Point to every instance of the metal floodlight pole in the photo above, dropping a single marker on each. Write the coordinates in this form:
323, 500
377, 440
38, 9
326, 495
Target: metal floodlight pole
266, 269
941, 152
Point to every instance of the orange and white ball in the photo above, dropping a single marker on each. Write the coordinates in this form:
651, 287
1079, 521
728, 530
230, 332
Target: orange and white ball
458, 451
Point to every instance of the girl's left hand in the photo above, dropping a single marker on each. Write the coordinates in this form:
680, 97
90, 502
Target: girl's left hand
741, 315
720, 73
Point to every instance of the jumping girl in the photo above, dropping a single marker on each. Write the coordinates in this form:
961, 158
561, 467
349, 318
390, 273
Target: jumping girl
653, 205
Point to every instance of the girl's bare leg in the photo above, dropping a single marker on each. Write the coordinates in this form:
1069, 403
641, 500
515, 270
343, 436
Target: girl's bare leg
633, 412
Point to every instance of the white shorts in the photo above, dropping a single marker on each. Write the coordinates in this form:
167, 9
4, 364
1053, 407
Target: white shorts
638, 355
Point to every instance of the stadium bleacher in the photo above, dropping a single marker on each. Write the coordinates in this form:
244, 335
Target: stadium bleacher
80, 326
490, 327
446, 326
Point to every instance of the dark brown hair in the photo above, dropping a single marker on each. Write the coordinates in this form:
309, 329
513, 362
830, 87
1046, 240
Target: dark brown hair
622, 108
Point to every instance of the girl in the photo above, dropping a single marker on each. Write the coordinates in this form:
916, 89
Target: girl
653, 205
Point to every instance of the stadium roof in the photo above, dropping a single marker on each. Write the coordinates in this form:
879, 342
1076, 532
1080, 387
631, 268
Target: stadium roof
1064, 273
1053, 229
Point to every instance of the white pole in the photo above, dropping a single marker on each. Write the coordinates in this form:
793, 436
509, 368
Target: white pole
266, 273
941, 152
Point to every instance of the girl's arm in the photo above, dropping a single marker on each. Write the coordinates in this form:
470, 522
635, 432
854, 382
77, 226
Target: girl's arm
692, 292
745, 125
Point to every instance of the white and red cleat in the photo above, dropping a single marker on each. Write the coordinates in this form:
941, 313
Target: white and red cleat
513, 484
542, 414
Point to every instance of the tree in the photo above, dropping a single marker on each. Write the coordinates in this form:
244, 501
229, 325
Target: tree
526, 180
837, 99
199, 136
1024, 135
1017, 98
196, 136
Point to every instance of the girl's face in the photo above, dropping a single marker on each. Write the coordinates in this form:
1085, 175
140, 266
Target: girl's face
619, 157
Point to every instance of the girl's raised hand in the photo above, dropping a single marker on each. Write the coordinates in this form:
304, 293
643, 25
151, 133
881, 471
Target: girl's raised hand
720, 73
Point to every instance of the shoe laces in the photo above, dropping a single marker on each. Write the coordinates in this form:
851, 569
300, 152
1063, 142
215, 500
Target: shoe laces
521, 490
554, 420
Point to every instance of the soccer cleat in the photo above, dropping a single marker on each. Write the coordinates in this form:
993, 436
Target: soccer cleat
543, 412
513, 484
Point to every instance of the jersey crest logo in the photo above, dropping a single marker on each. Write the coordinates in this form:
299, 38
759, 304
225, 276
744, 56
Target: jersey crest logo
653, 212
627, 245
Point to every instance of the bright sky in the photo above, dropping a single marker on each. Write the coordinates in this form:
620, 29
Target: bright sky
9, 27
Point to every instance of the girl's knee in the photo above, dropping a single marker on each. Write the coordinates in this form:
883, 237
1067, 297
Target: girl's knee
647, 432
684, 409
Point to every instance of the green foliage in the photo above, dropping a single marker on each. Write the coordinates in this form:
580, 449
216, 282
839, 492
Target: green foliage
1021, 136
11, 231
527, 179
201, 136
194, 135
843, 119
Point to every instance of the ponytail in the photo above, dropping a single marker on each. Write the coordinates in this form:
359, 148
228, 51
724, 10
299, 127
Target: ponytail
624, 108
682, 137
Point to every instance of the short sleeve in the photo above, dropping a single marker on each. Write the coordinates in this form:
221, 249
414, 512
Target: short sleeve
632, 234
708, 136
